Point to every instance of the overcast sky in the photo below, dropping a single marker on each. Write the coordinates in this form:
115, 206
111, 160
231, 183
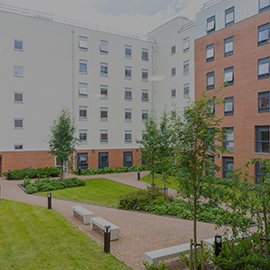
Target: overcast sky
140, 16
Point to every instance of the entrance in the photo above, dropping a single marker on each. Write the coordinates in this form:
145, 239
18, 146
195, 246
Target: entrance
128, 159
82, 161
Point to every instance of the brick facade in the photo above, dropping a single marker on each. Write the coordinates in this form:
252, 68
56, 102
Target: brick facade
246, 83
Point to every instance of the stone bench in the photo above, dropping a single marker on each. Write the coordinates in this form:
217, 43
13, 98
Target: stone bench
81, 211
99, 222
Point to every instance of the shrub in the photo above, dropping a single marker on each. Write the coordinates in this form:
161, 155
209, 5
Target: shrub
152, 266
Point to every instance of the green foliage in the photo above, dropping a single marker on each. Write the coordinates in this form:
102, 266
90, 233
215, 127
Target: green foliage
54, 184
108, 170
34, 173
152, 266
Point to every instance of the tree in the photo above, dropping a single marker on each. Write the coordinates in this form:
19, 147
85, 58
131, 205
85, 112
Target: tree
148, 145
199, 137
61, 139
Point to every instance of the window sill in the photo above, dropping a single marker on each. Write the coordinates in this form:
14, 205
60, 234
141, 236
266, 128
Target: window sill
105, 98
18, 50
145, 60
228, 54
186, 50
210, 59
128, 56
18, 76
228, 113
83, 96
173, 54
263, 43
128, 121
104, 52
263, 111
145, 100
143, 80
264, 9
210, 87
128, 78
186, 97
185, 74
104, 142
18, 102
104, 120
128, 99
128, 141
82, 119
104, 75
83, 49
173, 75
262, 153
83, 142
83, 72
18, 128
260, 77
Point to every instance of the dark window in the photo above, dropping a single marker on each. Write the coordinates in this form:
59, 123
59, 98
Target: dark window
228, 76
264, 5
263, 34
82, 161
103, 160
228, 46
211, 108
263, 68
263, 101
228, 142
18, 146
18, 45
229, 16
210, 52
260, 171
262, 139
211, 25
210, 168
173, 49
227, 166
228, 106
18, 123
128, 159
18, 97
210, 80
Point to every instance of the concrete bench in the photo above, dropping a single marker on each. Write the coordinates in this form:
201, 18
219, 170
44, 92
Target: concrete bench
99, 222
81, 211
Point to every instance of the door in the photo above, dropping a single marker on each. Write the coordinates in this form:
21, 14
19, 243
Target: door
103, 160
82, 161
128, 159
0, 165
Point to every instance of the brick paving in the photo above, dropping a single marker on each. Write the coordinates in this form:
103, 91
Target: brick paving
139, 232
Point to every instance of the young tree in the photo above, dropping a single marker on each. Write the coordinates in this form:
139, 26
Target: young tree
61, 139
148, 145
199, 137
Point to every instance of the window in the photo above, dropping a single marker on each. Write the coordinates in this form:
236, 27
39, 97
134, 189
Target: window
264, 5
186, 90
18, 45
263, 102
18, 71
145, 75
145, 55
127, 159
82, 113
128, 93
210, 52
210, 145
227, 166
263, 68
229, 16
144, 115
228, 76
83, 43
104, 135
128, 135
103, 69
18, 123
186, 67
186, 44
145, 96
83, 135
18, 97
104, 91
228, 46
210, 80
128, 72
210, 26
83, 91
173, 71
260, 170
228, 106
128, 115
83, 66
209, 166
128, 51
228, 142
262, 139
173, 50
18, 146
103, 160
263, 34
173, 93
211, 108
103, 114
104, 47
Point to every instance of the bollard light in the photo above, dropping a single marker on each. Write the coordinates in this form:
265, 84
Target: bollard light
49, 200
107, 238
218, 242
8, 178
79, 170
139, 175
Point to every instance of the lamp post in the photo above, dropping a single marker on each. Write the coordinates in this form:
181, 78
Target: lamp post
107, 238
218, 240
49, 200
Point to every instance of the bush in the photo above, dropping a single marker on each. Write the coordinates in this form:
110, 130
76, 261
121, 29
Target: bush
54, 184
34, 173
152, 266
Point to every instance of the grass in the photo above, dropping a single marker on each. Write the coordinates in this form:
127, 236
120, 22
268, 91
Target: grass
171, 180
33, 237
97, 191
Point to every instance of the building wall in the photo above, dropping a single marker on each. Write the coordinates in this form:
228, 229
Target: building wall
246, 83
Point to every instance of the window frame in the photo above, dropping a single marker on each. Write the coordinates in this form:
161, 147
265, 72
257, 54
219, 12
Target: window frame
127, 113
229, 11
145, 113
83, 86
264, 8
229, 100
261, 29
102, 44
104, 65
83, 39
209, 20
173, 50
18, 127
186, 63
104, 87
227, 41
173, 90
145, 91
263, 61
18, 93
208, 48
259, 140
263, 95
82, 109
186, 85
83, 131
226, 71
145, 58
128, 68
145, 71
128, 89
225, 138
18, 49
104, 131
128, 132
173, 72
104, 109
225, 169
16, 69
186, 40
128, 47
18, 146
258, 172
83, 62
209, 75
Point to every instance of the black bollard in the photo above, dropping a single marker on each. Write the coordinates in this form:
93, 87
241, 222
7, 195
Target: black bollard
107, 238
218, 239
49, 200
79, 170
8, 178
139, 175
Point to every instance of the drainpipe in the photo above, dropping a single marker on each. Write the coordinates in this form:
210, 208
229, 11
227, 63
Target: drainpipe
73, 91
152, 77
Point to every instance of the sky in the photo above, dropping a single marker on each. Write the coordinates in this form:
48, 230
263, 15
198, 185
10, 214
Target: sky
139, 16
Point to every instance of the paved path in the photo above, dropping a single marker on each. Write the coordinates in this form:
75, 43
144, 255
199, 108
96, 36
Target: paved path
139, 232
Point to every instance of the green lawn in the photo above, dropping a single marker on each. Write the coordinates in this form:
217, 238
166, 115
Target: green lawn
33, 237
171, 180
98, 191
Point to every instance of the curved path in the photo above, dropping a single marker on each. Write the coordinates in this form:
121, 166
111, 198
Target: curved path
139, 232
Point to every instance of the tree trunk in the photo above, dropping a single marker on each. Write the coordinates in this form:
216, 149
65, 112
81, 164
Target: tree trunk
195, 232
266, 231
62, 173
164, 180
